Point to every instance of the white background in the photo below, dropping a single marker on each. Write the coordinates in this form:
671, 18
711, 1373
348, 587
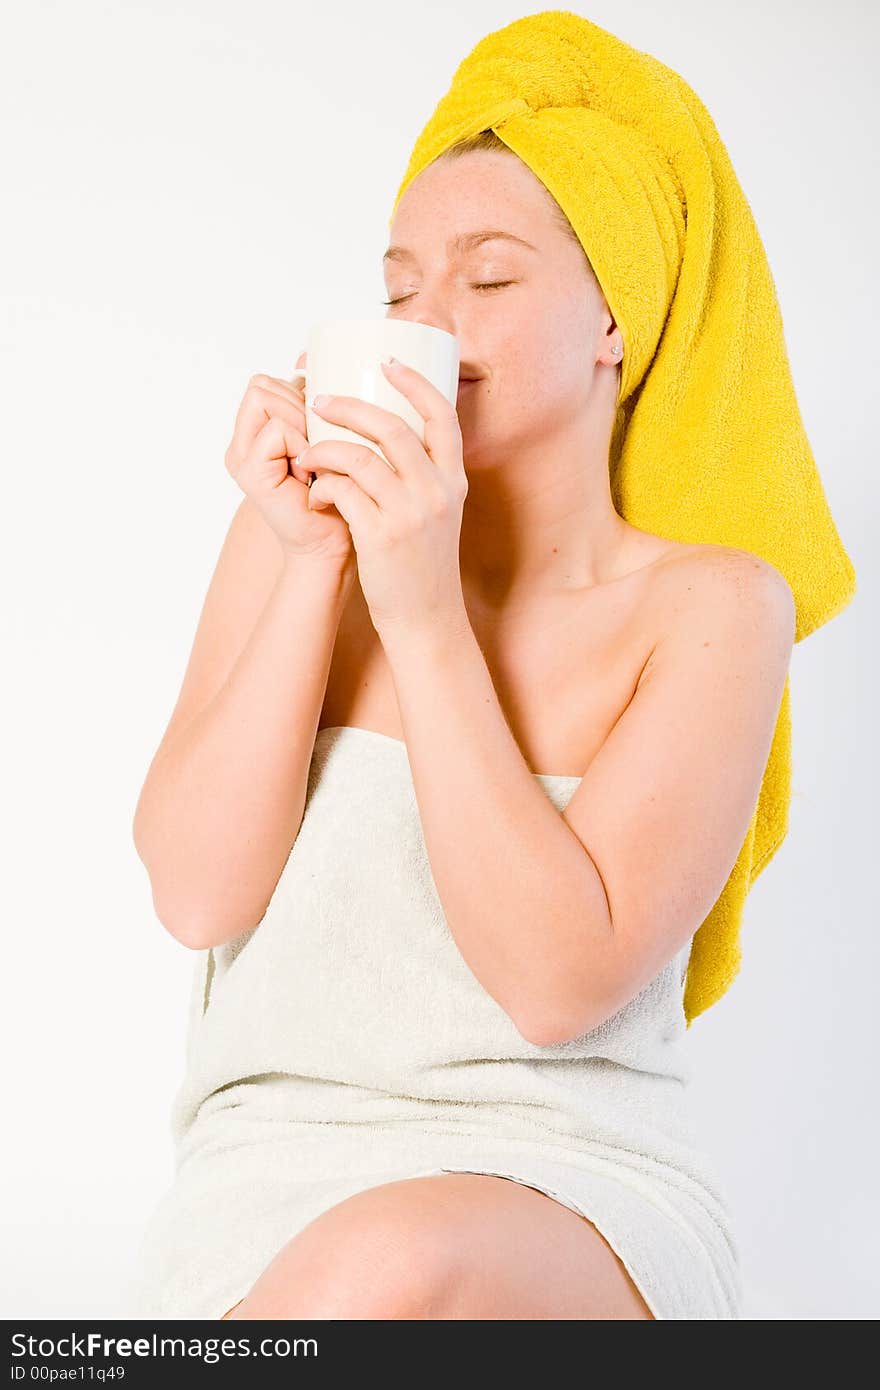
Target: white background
187, 186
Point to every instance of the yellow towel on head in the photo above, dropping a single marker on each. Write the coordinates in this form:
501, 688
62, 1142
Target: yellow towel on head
708, 442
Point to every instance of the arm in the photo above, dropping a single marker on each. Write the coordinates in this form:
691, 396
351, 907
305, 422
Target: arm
225, 793
563, 918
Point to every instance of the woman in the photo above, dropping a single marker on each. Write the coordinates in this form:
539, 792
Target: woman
462, 761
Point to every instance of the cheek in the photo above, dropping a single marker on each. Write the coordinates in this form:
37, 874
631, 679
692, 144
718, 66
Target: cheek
518, 364
538, 342
535, 358
538, 376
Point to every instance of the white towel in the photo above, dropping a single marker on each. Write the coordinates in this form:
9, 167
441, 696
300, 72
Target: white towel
344, 1042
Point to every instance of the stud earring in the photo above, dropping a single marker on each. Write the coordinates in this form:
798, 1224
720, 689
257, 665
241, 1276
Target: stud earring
615, 349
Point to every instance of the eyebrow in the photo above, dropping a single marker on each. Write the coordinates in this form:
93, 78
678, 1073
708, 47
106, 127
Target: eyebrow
465, 241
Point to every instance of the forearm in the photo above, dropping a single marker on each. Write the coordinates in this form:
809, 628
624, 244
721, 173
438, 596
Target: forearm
222, 803
522, 898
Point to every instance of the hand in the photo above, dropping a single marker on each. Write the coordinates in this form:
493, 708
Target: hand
405, 520
269, 432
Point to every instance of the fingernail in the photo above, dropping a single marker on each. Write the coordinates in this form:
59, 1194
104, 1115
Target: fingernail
319, 401
390, 362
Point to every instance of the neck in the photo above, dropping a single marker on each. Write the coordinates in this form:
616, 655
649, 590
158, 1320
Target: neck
528, 534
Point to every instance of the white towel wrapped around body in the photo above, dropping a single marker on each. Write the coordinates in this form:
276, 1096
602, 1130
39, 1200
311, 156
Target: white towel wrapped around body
344, 1042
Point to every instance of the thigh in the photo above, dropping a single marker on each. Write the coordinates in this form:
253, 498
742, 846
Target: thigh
452, 1245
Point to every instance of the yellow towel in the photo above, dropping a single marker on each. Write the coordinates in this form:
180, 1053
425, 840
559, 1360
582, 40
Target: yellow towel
708, 442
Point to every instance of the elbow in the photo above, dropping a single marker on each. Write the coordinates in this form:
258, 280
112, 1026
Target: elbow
197, 927
551, 1036
202, 928
564, 1009
551, 1028
194, 929
185, 930
560, 1016
190, 940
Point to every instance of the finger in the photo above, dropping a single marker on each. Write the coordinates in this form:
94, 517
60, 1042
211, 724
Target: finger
443, 441
338, 490
258, 405
259, 402
266, 464
399, 443
275, 444
289, 390
344, 458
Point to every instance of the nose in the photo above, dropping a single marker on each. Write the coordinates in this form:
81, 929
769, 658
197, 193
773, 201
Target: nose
434, 318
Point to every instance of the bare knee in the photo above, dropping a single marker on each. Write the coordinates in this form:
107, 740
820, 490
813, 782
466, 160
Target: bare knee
375, 1255
366, 1273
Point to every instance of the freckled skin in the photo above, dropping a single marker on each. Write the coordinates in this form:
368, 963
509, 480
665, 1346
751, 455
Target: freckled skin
536, 430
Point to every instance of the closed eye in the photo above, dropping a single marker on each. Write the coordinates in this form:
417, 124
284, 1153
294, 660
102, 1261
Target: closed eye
494, 285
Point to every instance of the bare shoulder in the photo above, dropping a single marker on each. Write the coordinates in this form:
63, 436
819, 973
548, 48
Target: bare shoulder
724, 593
721, 575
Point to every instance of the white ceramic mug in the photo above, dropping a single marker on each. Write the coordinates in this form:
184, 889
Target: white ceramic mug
344, 357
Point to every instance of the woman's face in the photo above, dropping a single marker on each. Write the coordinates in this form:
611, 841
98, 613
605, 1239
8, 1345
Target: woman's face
529, 319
